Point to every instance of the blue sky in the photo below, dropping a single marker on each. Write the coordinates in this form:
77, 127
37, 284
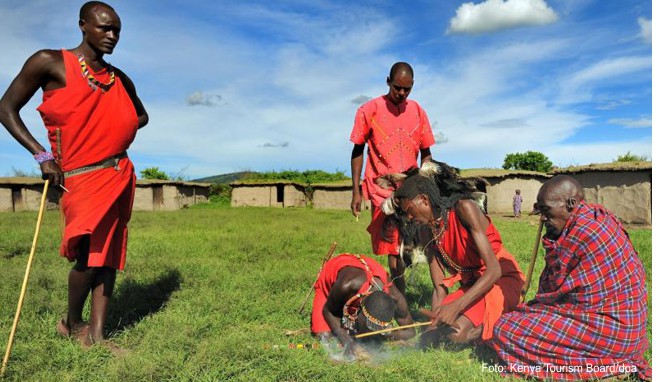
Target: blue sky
274, 85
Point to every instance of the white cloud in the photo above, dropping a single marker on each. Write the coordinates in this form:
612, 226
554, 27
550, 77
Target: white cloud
495, 15
610, 105
631, 123
579, 85
645, 29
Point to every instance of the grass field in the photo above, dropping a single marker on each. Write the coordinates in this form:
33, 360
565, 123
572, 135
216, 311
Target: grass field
208, 294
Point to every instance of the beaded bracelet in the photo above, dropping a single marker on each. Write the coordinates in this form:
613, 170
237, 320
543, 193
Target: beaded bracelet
43, 156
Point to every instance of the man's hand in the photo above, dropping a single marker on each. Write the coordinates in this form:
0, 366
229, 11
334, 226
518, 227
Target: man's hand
50, 170
356, 352
356, 204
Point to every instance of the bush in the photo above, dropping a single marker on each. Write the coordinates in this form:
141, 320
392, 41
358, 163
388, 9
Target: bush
530, 161
628, 157
153, 173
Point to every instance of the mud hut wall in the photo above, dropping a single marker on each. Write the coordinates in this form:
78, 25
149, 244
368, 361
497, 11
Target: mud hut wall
627, 194
143, 199
294, 196
331, 198
253, 196
183, 196
6, 201
500, 194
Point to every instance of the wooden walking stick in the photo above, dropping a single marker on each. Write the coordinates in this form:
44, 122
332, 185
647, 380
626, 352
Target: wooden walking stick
27, 276
527, 284
392, 329
325, 260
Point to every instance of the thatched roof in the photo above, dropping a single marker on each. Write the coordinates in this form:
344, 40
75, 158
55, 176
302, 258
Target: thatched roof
147, 182
25, 181
345, 184
499, 173
264, 183
22, 180
616, 166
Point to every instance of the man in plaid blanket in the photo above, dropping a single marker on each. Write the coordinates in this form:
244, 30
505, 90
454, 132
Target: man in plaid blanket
589, 317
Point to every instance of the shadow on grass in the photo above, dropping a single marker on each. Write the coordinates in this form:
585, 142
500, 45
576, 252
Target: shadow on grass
133, 301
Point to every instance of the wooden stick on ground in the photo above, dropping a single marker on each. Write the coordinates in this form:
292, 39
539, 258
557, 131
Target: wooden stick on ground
392, 329
325, 260
27, 276
527, 284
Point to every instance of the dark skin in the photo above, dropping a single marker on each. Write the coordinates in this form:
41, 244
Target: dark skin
348, 284
399, 89
45, 70
556, 200
459, 328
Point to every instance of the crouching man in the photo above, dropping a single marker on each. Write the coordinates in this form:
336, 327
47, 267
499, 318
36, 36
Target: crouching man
353, 295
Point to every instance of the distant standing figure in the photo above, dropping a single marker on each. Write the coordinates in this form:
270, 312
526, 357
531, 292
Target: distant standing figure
92, 113
396, 130
517, 203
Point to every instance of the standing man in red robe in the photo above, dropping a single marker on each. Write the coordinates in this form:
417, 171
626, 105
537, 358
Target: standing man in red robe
92, 113
396, 130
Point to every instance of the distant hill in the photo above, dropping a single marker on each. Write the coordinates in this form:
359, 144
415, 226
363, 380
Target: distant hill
224, 178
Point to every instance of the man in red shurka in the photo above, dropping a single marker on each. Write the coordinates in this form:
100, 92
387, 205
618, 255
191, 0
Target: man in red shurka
396, 130
92, 113
353, 295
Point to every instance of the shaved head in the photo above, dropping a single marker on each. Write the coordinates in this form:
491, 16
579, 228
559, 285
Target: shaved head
557, 199
90, 6
563, 186
401, 66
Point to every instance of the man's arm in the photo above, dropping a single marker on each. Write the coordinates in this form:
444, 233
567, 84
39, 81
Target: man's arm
132, 92
357, 156
401, 315
474, 221
45, 69
425, 155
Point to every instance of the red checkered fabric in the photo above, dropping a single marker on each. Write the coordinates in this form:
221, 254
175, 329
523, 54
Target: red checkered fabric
589, 317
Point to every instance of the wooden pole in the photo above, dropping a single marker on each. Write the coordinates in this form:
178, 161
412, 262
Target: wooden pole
27, 276
527, 284
393, 329
325, 260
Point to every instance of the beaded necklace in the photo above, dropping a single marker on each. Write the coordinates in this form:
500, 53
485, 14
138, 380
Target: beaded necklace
93, 82
353, 305
438, 229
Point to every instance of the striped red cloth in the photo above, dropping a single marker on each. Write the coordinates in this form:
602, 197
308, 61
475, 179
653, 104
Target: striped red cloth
589, 317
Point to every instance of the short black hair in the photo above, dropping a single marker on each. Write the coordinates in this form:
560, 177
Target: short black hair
401, 66
380, 306
90, 5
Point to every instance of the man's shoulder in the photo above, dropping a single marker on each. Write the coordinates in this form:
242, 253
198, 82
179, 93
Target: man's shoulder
48, 56
373, 104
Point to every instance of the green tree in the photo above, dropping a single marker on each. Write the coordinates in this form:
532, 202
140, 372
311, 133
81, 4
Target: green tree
153, 173
530, 160
628, 157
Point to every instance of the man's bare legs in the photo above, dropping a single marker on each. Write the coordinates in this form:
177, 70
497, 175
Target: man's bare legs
82, 280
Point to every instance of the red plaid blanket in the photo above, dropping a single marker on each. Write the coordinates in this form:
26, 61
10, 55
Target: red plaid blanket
589, 317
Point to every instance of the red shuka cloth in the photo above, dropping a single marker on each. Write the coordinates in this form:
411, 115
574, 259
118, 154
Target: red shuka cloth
327, 278
504, 294
93, 125
394, 135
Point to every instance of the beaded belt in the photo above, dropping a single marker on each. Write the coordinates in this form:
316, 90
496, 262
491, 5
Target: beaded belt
105, 163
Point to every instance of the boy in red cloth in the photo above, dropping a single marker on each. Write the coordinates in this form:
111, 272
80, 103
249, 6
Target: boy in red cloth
92, 113
396, 130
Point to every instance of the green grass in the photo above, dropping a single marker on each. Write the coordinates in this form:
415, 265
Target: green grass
208, 294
